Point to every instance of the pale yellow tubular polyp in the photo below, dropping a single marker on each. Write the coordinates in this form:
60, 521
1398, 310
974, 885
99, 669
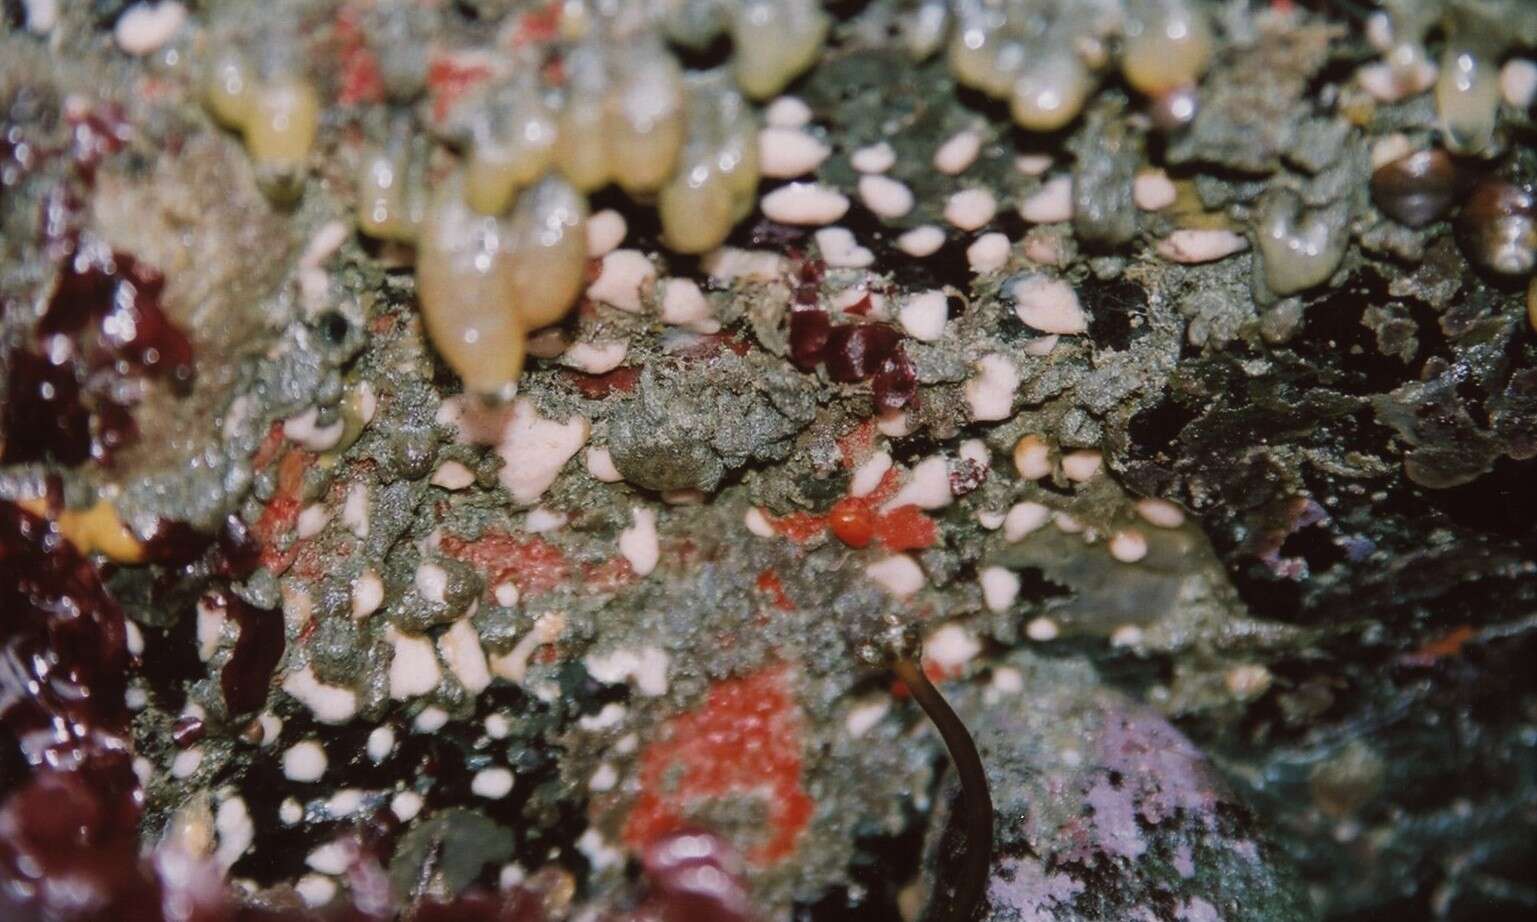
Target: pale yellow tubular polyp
549, 256
464, 281
645, 121
1166, 48
580, 151
773, 41
512, 144
228, 92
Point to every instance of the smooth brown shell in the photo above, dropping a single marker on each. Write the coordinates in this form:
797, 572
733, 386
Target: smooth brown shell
1498, 228
1416, 189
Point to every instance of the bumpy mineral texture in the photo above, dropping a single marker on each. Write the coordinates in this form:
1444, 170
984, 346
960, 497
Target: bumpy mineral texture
481, 459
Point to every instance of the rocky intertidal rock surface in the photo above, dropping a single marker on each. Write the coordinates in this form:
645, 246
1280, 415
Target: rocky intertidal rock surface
482, 459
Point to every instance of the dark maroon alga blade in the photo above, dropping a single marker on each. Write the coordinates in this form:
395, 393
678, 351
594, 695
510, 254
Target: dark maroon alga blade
42, 414
856, 352
809, 329
247, 675
896, 384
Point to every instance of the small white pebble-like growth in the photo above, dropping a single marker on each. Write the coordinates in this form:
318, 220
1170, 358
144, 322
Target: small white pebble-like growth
1049, 305
638, 543
869, 475
1050, 204
305, 431
927, 486
1518, 82
413, 665
1032, 164
923, 316
406, 805
875, 158
1032, 457
331, 704
1152, 190
951, 647
990, 392
787, 112
367, 593
1192, 245
805, 203
959, 152
840, 250
381, 742
1024, 518
1080, 466
461, 650
595, 358
684, 305
757, 523
1042, 629
785, 153
492, 783
145, 27
534, 449
899, 575
1160, 512
605, 231
921, 241
304, 761
970, 209
623, 279
988, 253
432, 582
863, 717
600, 464
1128, 545
1000, 587
885, 197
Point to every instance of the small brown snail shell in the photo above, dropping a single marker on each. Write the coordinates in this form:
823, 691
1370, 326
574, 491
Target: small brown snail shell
1498, 227
1416, 189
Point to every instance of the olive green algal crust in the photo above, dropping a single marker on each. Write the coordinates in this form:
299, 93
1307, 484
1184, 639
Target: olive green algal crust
1309, 695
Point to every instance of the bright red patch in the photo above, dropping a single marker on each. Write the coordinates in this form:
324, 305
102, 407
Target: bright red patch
359, 78
1448, 644
743, 741
906, 528
799, 527
595, 387
448, 81
858, 444
770, 583
852, 521
541, 25
531, 563
282, 511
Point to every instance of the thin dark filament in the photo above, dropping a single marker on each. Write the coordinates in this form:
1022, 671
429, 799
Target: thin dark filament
974, 790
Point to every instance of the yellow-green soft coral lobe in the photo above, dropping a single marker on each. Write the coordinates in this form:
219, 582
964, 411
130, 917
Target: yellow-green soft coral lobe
465, 283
